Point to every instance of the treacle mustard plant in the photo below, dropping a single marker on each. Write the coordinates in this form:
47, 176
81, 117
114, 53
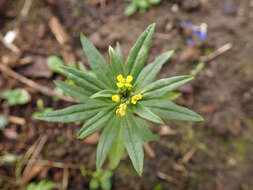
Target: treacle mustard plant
120, 98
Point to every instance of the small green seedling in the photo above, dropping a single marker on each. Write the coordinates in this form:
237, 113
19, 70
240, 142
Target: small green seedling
101, 179
3, 121
41, 109
16, 96
120, 99
141, 5
42, 185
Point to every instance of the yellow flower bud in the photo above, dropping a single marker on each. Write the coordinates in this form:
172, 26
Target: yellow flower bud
124, 106
134, 100
120, 84
139, 96
128, 85
129, 78
120, 78
115, 98
121, 109
122, 113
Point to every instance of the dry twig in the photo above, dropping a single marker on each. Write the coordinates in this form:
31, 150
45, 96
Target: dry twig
188, 155
58, 31
165, 36
168, 178
43, 89
65, 178
35, 154
216, 53
57, 164
149, 150
16, 120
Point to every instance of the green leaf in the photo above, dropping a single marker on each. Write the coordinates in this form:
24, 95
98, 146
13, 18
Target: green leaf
73, 90
106, 185
154, 1
138, 54
133, 142
143, 4
170, 111
130, 9
163, 86
117, 150
119, 52
146, 113
54, 62
116, 63
16, 96
97, 62
171, 96
105, 180
104, 94
83, 170
88, 82
73, 113
96, 123
106, 140
144, 131
94, 184
149, 73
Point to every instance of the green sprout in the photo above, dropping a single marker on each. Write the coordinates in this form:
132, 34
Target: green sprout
120, 98
42, 185
142, 5
16, 96
101, 179
41, 109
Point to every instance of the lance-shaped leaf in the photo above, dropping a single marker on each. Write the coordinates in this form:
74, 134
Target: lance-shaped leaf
73, 90
138, 54
163, 86
144, 131
117, 150
146, 113
104, 94
119, 52
116, 63
170, 111
149, 73
133, 142
106, 140
97, 62
96, 123
83, 79
73, 113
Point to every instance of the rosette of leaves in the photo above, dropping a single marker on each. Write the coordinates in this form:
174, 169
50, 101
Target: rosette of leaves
120, 98
141, 5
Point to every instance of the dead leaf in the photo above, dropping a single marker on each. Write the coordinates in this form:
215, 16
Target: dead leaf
38, 68
10, 133
92, 139
166, 130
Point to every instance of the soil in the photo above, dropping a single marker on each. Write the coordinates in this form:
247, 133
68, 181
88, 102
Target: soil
214, 154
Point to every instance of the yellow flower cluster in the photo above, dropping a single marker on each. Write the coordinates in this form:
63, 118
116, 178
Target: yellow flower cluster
135, 98
121, 109
122, 82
